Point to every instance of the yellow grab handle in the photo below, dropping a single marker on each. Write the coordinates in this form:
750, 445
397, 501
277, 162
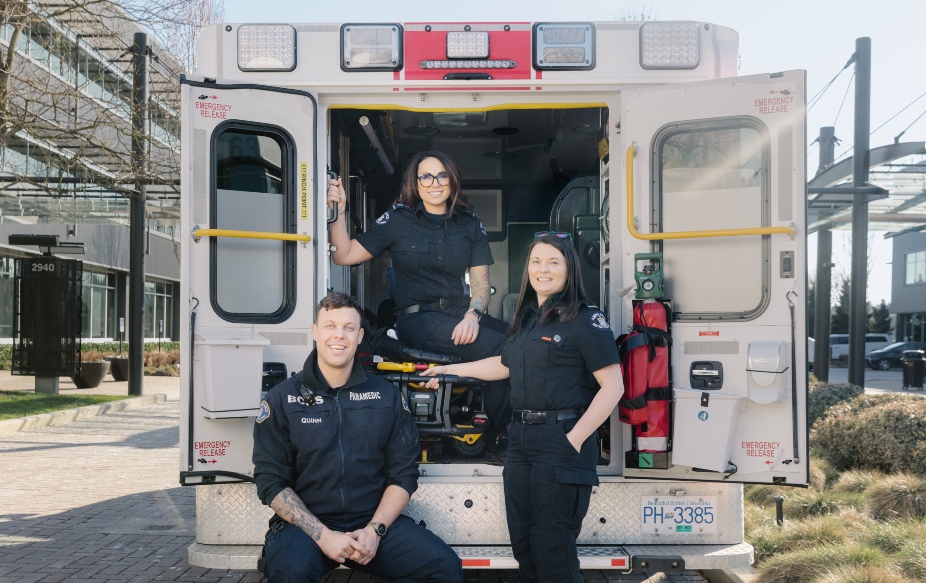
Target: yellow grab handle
631, 152
250, 235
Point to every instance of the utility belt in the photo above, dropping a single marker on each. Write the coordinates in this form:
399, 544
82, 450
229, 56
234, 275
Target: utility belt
441, 304
529, 417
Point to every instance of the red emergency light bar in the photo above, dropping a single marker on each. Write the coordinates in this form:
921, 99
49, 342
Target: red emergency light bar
427, 59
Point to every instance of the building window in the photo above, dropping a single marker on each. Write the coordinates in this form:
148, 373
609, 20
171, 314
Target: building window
159, 309
916, 267
98, 306
6, 297
914, 327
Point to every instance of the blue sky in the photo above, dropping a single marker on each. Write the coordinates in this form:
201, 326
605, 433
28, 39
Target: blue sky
816, 35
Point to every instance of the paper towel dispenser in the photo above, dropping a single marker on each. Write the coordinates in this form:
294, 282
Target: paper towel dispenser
765, 368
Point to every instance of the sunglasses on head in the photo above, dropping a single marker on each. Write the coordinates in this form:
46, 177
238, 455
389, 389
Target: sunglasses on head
557, 234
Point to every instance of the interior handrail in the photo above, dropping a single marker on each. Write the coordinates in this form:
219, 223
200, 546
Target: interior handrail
631, 153
197, 233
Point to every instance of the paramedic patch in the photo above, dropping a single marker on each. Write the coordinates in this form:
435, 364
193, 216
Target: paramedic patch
264, 412
405, 404
383, 219
364, 396
598, 321
482, 228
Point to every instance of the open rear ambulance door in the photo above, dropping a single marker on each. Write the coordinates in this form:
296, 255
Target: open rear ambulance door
726, 154
249, 181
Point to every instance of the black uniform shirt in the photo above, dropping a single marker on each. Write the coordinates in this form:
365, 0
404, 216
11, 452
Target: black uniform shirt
429, 257
551, 364
340, 454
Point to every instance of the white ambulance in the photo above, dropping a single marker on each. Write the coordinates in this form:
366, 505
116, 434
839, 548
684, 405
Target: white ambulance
638, 138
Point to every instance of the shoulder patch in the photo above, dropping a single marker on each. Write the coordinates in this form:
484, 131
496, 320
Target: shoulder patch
264, 412
599, 322
405, 404
482, 228
383, 219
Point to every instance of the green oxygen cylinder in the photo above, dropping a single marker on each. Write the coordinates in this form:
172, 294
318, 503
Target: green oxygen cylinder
649, 276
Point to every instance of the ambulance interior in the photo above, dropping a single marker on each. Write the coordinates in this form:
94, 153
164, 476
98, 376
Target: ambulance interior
523, 170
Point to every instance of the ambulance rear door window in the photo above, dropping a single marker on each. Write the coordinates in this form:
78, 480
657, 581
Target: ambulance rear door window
714, 175
252, 279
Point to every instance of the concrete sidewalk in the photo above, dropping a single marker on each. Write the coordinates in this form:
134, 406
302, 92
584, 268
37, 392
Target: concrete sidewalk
170, 386
97, 500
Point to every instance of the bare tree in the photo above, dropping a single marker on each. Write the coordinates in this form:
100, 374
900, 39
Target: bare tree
632, 11
65, 104
177, 23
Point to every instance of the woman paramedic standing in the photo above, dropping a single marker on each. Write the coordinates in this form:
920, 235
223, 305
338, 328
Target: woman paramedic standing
558, 347
434, 238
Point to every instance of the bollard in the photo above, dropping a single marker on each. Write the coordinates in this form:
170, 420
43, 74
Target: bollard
779, 510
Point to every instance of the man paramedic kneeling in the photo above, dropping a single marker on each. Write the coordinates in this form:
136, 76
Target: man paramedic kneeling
334, 457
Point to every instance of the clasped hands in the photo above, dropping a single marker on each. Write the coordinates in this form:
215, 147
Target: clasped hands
358, 546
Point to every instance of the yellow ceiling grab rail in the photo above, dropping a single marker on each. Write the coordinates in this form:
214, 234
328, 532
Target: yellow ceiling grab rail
631, 152
197, 233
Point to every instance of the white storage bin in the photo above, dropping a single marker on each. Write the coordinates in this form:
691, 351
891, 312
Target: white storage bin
704, 426
228, 368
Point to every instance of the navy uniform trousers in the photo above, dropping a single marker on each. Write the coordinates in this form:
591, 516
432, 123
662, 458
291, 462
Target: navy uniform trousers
548, 485
431, 330
408, 553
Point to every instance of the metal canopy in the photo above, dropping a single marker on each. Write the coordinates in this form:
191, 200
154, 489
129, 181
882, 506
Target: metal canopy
898, 169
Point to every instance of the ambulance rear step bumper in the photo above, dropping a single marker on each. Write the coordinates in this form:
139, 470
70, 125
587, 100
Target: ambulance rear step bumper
694, 557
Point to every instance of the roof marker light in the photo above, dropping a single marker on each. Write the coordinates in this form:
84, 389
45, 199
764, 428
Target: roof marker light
670, 45
266, 47
568, 46
371, 47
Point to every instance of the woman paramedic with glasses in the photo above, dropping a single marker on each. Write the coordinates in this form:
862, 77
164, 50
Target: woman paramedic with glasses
434, 239
560, 350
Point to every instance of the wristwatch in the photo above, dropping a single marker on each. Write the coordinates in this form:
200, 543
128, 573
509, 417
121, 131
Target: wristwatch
379, 528
476, 311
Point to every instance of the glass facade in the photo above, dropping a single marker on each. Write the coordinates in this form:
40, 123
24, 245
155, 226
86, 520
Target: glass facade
6, 297
62, 56
915, 268
159, 310
98, 306
912, 327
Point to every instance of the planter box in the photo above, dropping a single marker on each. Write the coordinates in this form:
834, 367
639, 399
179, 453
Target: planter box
119, 368
91, 374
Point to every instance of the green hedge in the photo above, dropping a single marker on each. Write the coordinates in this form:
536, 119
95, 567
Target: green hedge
884, 432
822, 396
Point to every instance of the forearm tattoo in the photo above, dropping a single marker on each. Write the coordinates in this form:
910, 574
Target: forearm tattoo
479, 288
290, 508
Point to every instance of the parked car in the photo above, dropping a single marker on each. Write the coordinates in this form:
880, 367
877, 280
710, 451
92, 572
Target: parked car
890, 356
839, 344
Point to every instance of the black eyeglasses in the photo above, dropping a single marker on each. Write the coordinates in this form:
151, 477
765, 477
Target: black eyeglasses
557, 234
427, 179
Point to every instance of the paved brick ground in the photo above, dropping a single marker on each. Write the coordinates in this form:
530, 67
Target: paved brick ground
97, 500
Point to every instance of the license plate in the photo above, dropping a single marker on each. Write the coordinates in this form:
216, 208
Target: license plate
678, 514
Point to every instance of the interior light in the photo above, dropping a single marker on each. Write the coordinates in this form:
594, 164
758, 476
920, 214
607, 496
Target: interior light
568, 46
670, 45
467, 45
371, 47
266, 47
